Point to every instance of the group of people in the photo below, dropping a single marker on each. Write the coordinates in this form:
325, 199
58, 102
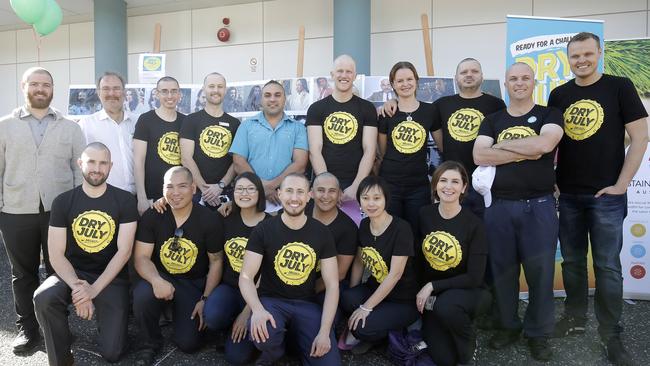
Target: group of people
124, 209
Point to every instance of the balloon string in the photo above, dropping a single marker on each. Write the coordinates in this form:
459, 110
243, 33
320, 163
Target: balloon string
37, 39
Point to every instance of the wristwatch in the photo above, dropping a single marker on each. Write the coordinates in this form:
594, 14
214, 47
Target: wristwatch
203, 298
221, 185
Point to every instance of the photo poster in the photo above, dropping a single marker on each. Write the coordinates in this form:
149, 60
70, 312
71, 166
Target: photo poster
541, 43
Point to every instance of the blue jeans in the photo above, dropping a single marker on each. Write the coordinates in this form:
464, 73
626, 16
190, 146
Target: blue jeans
584, 219
523, 233
221, 309
406, 202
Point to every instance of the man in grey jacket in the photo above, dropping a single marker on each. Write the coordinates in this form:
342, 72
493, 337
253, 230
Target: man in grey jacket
39, 149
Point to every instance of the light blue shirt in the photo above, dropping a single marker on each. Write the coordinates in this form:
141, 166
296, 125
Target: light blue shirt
269, 151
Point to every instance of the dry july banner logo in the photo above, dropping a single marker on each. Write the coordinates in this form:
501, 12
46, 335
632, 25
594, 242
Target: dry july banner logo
93, 230
442, 250
215, 141
464, 123
169, 149
583, 119
373, 261
516, 132
182, 259
408, 137
340, 127
294, 262
235, 249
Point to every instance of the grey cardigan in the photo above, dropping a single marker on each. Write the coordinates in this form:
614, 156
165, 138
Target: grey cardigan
31, 174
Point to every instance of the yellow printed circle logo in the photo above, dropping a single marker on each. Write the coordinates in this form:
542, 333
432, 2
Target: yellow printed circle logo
583, 119
182, 259
638, 230
215, 141
408, 137
152, 63
169, 148
93, 230
294, 262
373, 261
464, 123
442, 250
340, 127
516, 132
235, 249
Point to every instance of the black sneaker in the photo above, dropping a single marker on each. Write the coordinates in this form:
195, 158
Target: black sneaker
617, 354
540, 349
568, 326
504, 338
26, 341
145, 357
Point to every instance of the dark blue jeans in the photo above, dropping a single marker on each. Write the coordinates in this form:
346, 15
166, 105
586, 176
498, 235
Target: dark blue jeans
523, 233
584, 219
406, 202
221, 309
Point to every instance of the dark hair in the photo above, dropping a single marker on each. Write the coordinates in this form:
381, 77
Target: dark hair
373, 181
167, 78
303, 82
402, 65
583, 36
110, 73
449, 165
467, 59
274, 82
257, 182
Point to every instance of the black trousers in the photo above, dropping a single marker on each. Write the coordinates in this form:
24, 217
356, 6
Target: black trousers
24, 236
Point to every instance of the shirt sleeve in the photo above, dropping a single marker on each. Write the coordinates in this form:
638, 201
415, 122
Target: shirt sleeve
301, 137
240, 142
383, 125
554, 116
187, 130
348, 242
436, 120
256, 240
128, 208
141, 131
145, 232
314, 115
60, 207
369, 114
630, 104
329, 248
487, 128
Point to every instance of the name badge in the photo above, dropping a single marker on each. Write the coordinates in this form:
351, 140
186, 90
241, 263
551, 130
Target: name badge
224, 124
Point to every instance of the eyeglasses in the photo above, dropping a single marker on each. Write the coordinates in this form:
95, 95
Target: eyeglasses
166, 92
248, 190
115, 89
178, 233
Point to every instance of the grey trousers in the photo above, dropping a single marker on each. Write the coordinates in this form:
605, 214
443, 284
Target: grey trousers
51, 301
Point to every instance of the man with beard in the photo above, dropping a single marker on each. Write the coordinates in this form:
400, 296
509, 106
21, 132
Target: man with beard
206, 137
287, 249
39, 149
113, 127
92, 228
271, 144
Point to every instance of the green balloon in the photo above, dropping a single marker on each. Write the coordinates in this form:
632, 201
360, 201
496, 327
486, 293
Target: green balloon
30, 11
50, 20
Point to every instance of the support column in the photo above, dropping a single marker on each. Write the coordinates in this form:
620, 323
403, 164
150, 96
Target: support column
110, 37
352, 31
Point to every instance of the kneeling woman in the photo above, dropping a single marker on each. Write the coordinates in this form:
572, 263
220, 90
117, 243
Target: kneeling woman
225, 308
385, 301
453, 252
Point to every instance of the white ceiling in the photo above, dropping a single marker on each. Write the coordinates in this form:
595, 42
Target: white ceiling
75, 11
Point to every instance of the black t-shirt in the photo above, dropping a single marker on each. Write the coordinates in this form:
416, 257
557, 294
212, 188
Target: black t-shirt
342, 125
405, 159
526, 178
235, 235
377, 252
453, 252
591, 153
460, 119
163, 149
290, 257
202, 234
93, 225
212, 138
344, 231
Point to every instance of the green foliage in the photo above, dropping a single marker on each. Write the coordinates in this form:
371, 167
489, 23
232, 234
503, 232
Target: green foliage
630, 58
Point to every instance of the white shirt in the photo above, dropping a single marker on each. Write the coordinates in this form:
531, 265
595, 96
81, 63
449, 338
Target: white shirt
118, 137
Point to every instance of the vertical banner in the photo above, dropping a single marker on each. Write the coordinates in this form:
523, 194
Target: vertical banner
541, 43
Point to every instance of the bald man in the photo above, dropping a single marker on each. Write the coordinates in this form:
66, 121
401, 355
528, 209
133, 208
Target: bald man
342, 134
520, 141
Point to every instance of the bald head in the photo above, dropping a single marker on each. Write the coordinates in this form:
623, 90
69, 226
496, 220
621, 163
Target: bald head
520, 67
344, 72
99, 147
344, 60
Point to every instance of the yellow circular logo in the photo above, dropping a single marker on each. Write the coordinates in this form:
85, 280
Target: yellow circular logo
442, 250
408, 137
294, 262
373, 261
235, 249
152, 63
93, 230
180, 260
169, 149
215, 141
583, 119
516, 132
464, 123
340, 127
638, 230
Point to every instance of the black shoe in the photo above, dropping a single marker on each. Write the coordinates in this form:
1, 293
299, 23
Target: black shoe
568, 326
485, 323
145, 357
617, 354
540, 349
26, 341
504, 338
362, 348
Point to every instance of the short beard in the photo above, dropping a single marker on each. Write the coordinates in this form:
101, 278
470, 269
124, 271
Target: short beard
94, 182
294, 214
37, 104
